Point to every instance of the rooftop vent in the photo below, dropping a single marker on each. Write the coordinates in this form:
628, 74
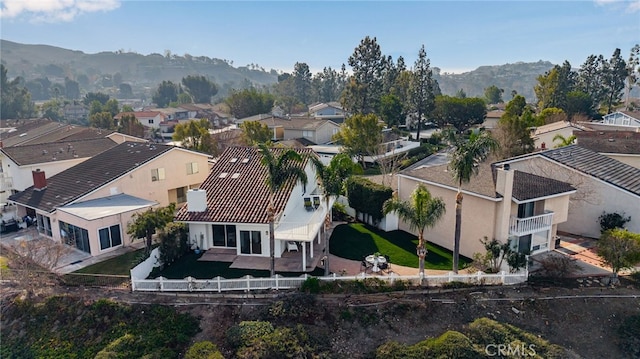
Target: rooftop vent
223, 175
233, 160
245, 160
235, 175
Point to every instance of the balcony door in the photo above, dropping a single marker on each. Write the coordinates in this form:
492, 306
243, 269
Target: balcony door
526, 210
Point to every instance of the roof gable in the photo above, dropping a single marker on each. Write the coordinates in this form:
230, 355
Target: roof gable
237, 191
527, 186
623, 142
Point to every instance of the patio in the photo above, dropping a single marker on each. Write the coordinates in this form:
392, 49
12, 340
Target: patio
289, 262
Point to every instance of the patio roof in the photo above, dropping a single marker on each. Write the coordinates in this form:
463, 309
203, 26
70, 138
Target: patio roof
106, 206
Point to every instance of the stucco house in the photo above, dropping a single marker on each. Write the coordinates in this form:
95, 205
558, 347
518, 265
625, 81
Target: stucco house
149, 119
228, 213
89, 205
543, 135
603, 185
318, 131
500, 202
329, 111
618, 121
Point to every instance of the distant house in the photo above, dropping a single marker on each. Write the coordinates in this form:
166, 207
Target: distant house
89, 205
492, 118
618, 121
602, 184
504, 203
317, 131
150, 119
228, 213
623, 146
543, 135
329, 111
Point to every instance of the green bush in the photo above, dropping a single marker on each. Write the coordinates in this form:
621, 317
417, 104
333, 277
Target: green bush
311, 285
67, 327
203, 350
245, 332
281, 343
367, 197
612, 221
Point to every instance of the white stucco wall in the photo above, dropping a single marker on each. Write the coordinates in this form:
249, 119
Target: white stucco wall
478, 218
138, 183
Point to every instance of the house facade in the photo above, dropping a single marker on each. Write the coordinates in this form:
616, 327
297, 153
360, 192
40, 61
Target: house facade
76, 205
229, 210
317, 131
621, 120
603, 185
543, 135
500, 202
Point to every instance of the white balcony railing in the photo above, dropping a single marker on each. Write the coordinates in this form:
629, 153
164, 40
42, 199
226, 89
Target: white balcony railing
301, 231
524, 226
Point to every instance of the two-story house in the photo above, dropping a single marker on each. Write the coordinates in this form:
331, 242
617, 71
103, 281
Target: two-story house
318, 131
89, 205
499, 202
229, 212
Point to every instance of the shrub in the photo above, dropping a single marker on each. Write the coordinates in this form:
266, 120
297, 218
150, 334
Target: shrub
557, 267
311, 285
612, 220
203, 350
245, 332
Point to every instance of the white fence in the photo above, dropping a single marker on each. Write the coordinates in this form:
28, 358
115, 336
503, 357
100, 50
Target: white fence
249, 283
143, 269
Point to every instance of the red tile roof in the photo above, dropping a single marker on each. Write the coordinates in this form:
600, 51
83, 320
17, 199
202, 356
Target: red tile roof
241, 198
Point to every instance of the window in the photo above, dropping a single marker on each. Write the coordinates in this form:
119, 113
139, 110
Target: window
44, 225
224, 235
157, 174
151, 121
110, 237
181, 194
192, 168
308, 134
75, 236
250, 242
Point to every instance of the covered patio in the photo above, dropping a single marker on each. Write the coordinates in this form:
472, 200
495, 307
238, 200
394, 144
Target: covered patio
288, 262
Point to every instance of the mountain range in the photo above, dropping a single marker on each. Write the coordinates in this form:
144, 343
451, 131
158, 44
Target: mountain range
145, 72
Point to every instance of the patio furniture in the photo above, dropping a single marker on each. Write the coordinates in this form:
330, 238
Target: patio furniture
316, 202
375, 261
307, 204
292, 246
364, 265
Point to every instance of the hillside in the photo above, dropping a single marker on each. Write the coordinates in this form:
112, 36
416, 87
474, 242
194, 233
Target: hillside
145, 72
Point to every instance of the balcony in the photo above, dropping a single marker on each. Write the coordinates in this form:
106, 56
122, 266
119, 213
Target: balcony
304, 230
523, 226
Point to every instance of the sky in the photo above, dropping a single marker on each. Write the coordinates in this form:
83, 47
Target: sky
458, 36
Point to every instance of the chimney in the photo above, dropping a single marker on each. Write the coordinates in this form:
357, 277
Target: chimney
504, 186
196, 200
39, 180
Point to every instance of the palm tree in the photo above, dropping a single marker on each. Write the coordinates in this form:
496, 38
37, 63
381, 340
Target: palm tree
282, 170
332, 177
564, 141
422, 211
464, 163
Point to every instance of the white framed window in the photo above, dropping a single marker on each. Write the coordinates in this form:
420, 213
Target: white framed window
157, 174
151, 121
110, 237
308, 134
192, 168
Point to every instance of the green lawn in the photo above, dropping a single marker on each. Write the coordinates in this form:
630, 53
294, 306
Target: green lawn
356, 240
120, 265
189, 265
